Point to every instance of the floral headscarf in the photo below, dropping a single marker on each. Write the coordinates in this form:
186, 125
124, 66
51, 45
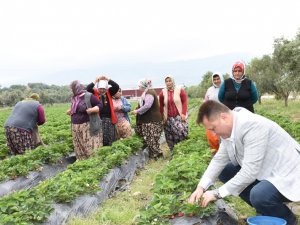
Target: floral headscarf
77, 89
144, 84
173, 86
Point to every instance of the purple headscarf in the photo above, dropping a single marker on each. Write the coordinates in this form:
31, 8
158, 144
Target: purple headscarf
144, 84
77, 89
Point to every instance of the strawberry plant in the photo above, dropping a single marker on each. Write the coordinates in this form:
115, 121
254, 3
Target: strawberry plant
80, 178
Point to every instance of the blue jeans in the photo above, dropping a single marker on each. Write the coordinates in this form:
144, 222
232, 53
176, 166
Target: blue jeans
262, 195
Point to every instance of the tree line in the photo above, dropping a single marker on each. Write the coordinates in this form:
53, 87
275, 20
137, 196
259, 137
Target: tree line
277, 74
49, 94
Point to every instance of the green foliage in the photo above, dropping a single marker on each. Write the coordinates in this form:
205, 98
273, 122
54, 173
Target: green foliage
49, 94
278, 74
55, 133
194, 91
80, 178
293, 128
175, 183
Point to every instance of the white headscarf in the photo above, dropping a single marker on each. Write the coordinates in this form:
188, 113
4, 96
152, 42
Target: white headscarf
173, 86
102, 84
221, 78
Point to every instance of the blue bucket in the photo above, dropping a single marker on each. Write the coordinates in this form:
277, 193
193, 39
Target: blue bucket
265, 220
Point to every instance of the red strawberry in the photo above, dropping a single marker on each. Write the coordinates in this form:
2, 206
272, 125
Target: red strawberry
180, 214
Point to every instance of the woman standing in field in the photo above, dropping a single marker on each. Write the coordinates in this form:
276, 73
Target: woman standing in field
212, 94
22, 123
173, 108
104, 93
238, 91
148, 118
83, 141
121, 108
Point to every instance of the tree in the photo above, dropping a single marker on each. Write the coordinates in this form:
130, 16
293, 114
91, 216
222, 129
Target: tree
206, 82
260, 71
193, 91
286, 63
49, 94
287, 55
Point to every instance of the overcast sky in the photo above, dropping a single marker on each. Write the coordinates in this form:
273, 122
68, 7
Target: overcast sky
42, 37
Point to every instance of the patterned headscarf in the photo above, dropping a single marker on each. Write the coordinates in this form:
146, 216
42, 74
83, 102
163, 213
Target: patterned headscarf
173, 86
77, 89
144, 84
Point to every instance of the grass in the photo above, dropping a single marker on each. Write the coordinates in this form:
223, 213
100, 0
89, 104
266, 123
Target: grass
277, 107
124, 207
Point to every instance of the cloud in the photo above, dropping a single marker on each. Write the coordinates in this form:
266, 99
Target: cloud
45, 37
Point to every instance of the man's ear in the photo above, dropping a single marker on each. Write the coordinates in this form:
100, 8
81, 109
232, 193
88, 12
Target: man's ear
223, 116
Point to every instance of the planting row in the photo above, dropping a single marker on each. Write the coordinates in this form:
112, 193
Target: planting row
57, 137
177, 181
82, 177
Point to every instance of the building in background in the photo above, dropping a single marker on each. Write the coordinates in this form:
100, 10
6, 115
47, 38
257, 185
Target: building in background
134, 93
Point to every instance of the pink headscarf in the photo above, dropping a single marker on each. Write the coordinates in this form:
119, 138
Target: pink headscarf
77, 89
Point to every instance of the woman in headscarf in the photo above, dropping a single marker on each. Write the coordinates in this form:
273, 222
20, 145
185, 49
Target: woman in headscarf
148, 118
122, 107
173, 108
238, 90
100, 88
212, 94
20, 125
83, 140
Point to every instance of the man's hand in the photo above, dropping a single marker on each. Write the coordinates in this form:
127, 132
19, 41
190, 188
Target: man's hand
207, 197
196, 195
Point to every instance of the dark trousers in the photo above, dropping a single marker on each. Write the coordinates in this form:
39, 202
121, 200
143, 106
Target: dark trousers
262, 195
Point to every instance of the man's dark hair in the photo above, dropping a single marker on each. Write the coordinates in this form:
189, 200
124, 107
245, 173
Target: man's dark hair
211, 109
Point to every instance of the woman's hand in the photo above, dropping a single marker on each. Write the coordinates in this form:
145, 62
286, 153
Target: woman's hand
68, 112
100, 77
118, 108
103, 78
94, 109
165, 119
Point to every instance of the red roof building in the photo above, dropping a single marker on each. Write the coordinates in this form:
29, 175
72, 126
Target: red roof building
133, 93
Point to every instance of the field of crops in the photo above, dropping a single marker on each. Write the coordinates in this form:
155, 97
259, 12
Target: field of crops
35, 204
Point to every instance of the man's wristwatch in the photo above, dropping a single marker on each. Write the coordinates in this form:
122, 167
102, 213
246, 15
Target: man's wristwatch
216, 194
